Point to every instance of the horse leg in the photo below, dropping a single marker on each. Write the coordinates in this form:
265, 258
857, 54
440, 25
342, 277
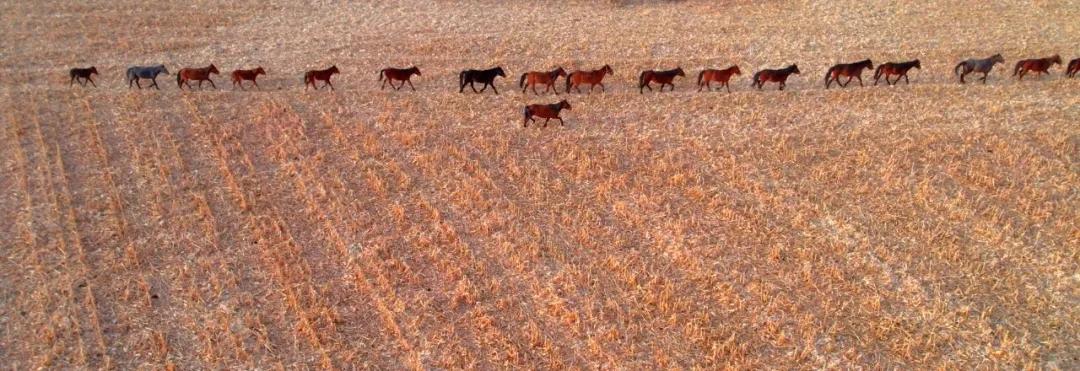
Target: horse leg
473, 87
330, 84
410, 85
846, 82
494, 88
727, 86
546, 122
561, 122
534, 89
155, 83
782, 84
91, 80
906, 80
212, 84
72, 80
860, 79
985, 74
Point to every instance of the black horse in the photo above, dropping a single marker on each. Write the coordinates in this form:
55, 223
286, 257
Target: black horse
486, 77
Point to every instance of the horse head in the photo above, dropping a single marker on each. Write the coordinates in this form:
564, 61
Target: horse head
679, 72
917, 64
213, 69
333, 69
563, 104
259, 70
415, 70
499, 71
997, 58
794, 69
559, 71
163, 69
93, 70
869, 64
607, 70
736, 70
1055, 59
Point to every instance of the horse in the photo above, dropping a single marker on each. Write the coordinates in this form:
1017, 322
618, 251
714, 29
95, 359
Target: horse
982, 66
145, 72
593, 78
82, 75
547, 78
899, 69
849, 70
186, 75
721, 76
320, 75
545, 111
1039, 66
1073, 68
780, 76
662, 77
487, 77
401, 74
239, 76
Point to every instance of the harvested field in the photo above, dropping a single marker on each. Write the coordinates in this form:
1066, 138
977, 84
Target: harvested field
930, 225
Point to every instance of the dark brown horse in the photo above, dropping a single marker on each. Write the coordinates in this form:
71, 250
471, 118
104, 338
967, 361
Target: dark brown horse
186, 75
486, 77
849, 70
320, 75
83, 75
545, 111
1073, 68
899, 69
721, 76
547, 78
1039, 66
388, 75
238, 77
593, 78
779, 76
662, 77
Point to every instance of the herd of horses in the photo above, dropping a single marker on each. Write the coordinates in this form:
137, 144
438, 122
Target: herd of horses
574, 80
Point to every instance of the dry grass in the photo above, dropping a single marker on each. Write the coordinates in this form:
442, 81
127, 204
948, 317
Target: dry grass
922, 226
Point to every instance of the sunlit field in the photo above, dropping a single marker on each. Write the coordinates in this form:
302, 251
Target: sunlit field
923, 225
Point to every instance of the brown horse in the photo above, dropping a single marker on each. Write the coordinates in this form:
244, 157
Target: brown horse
545, 111
662, 77
1074, 67
1039, 66
780, 76
721, 76
388, 75
320, 75
82, 75
238, 77
593, 78
547, 78
849, 70
899, 69
186, 75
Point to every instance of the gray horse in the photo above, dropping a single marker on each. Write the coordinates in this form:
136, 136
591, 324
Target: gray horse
982, 66
145, 72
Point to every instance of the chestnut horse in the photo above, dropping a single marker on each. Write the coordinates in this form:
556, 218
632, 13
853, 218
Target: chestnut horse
899, 69
1074, 67
486, 77
849, 70
1039, 66
547, 78
82, 75
780, 76
662, 77
721, 76
388, 75
186, 75
545, 111
239, 76
983, 66
320, 75
593, 78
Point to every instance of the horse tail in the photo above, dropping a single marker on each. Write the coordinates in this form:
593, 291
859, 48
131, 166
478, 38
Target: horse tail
461, 79
754, 80
526, 114
569, 81
956, 70
521, 84
381, 73
699, 75
641, 79
179, 78
877, 72
829, 73
1016, 69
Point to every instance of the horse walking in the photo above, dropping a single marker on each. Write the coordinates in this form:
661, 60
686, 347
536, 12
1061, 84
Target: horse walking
186, 75
899, 69
779, 76
134, 74
388, 75
982, 66
1039, 66
320, 75
546, 112
486, 77
1073, 68
547, 78
661, 77
239, 76
849, 70
82, 75
705, 77
593, 78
